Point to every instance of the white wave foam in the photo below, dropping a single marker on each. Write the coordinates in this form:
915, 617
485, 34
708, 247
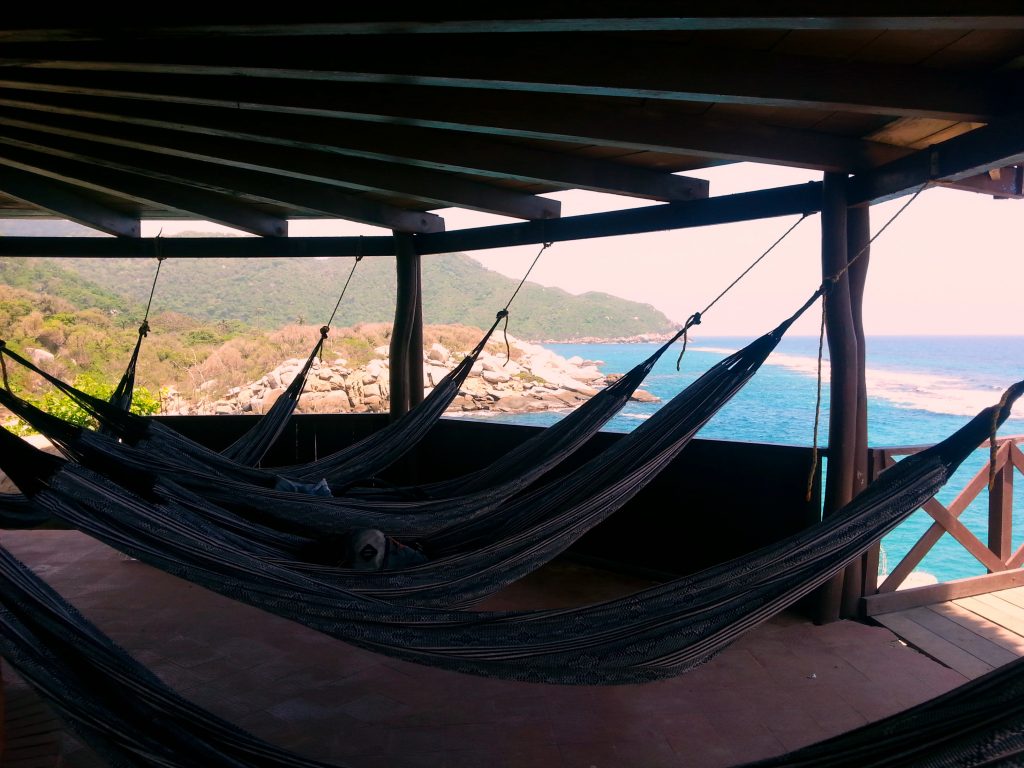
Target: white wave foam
919, 391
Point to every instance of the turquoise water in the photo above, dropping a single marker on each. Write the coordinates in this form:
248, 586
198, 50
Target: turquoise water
920, 389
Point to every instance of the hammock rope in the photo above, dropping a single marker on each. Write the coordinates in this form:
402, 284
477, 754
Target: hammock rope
696, 317
123, 393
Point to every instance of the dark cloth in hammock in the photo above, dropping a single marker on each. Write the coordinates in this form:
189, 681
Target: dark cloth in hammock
16, 511
656, 633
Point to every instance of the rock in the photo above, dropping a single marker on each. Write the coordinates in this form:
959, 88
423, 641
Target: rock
377, 368
39, 356
371, 400
267, 401
222, 408
495, 377
382, 351
438, 353
642, 396
515, 403
317, 384
433, 374
371, 390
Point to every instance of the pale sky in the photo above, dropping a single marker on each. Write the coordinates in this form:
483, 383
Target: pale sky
951, 263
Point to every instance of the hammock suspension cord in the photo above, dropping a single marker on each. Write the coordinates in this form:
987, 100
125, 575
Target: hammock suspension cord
696, 317
826, 287
503, 313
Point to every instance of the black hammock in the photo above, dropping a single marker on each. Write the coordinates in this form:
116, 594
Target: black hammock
116, 705
485, 539
408, 513
656, 633
355, 462
131, 718
498, 542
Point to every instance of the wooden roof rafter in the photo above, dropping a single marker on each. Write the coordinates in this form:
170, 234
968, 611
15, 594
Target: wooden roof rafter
646, 68
624, 125
420, 147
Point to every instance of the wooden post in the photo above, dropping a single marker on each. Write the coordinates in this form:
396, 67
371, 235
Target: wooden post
843, 351
1000, 509
405, 377
858, 238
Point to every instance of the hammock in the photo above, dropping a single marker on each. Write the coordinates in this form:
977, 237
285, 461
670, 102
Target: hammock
356, 462
500, 533
504, 542
16, 511
656, 633
120, 708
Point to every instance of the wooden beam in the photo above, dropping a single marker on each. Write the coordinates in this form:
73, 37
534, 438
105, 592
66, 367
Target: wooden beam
996, 145
745, 206
198, 247
940, 593
534, 115
205, 205
406, 361
644, 68
250, 185
1001, 183
438, 189
423, 147
553, 17
67, 201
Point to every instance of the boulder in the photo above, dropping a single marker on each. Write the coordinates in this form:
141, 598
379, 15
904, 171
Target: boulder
642, 396
438, 353
495, 377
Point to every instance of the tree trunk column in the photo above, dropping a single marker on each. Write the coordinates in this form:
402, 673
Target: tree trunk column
843, 388
406, 350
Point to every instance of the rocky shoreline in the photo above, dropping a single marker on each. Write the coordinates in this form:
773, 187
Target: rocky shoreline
537, 379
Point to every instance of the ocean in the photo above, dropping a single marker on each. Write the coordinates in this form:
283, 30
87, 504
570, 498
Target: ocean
921, 389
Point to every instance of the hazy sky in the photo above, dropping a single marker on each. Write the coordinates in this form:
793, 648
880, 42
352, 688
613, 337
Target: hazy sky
951, 263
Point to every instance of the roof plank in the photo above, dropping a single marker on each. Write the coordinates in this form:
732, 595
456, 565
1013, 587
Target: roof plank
440, 190
644, 68
205, 205
537, 116
67, 202
423, 147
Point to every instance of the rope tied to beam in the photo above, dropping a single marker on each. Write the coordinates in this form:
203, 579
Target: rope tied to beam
696, 317
503, 313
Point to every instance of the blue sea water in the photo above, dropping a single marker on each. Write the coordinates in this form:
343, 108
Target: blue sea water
920, 390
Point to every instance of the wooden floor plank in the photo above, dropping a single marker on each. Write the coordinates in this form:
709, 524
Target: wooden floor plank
933, 645
995, 610
994, 632
1014, 596
962, 636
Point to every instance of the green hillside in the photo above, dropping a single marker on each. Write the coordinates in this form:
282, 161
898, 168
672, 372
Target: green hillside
269, 293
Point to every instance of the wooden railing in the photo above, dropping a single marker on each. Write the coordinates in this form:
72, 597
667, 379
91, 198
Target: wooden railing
997, 555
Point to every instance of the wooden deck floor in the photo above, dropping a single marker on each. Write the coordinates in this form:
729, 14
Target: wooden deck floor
971, 635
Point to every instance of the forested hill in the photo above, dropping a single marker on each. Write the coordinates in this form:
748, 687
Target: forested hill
269, 293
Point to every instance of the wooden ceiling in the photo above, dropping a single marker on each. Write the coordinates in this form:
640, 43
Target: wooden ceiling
386, 119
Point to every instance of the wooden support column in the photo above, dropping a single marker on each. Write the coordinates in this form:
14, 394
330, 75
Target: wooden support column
843, 390
858, 237
406, 351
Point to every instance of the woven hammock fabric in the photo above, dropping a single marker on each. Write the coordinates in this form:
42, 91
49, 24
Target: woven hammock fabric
251, 447
120, 708
417, 515
356, 462
652, 634
481, 543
